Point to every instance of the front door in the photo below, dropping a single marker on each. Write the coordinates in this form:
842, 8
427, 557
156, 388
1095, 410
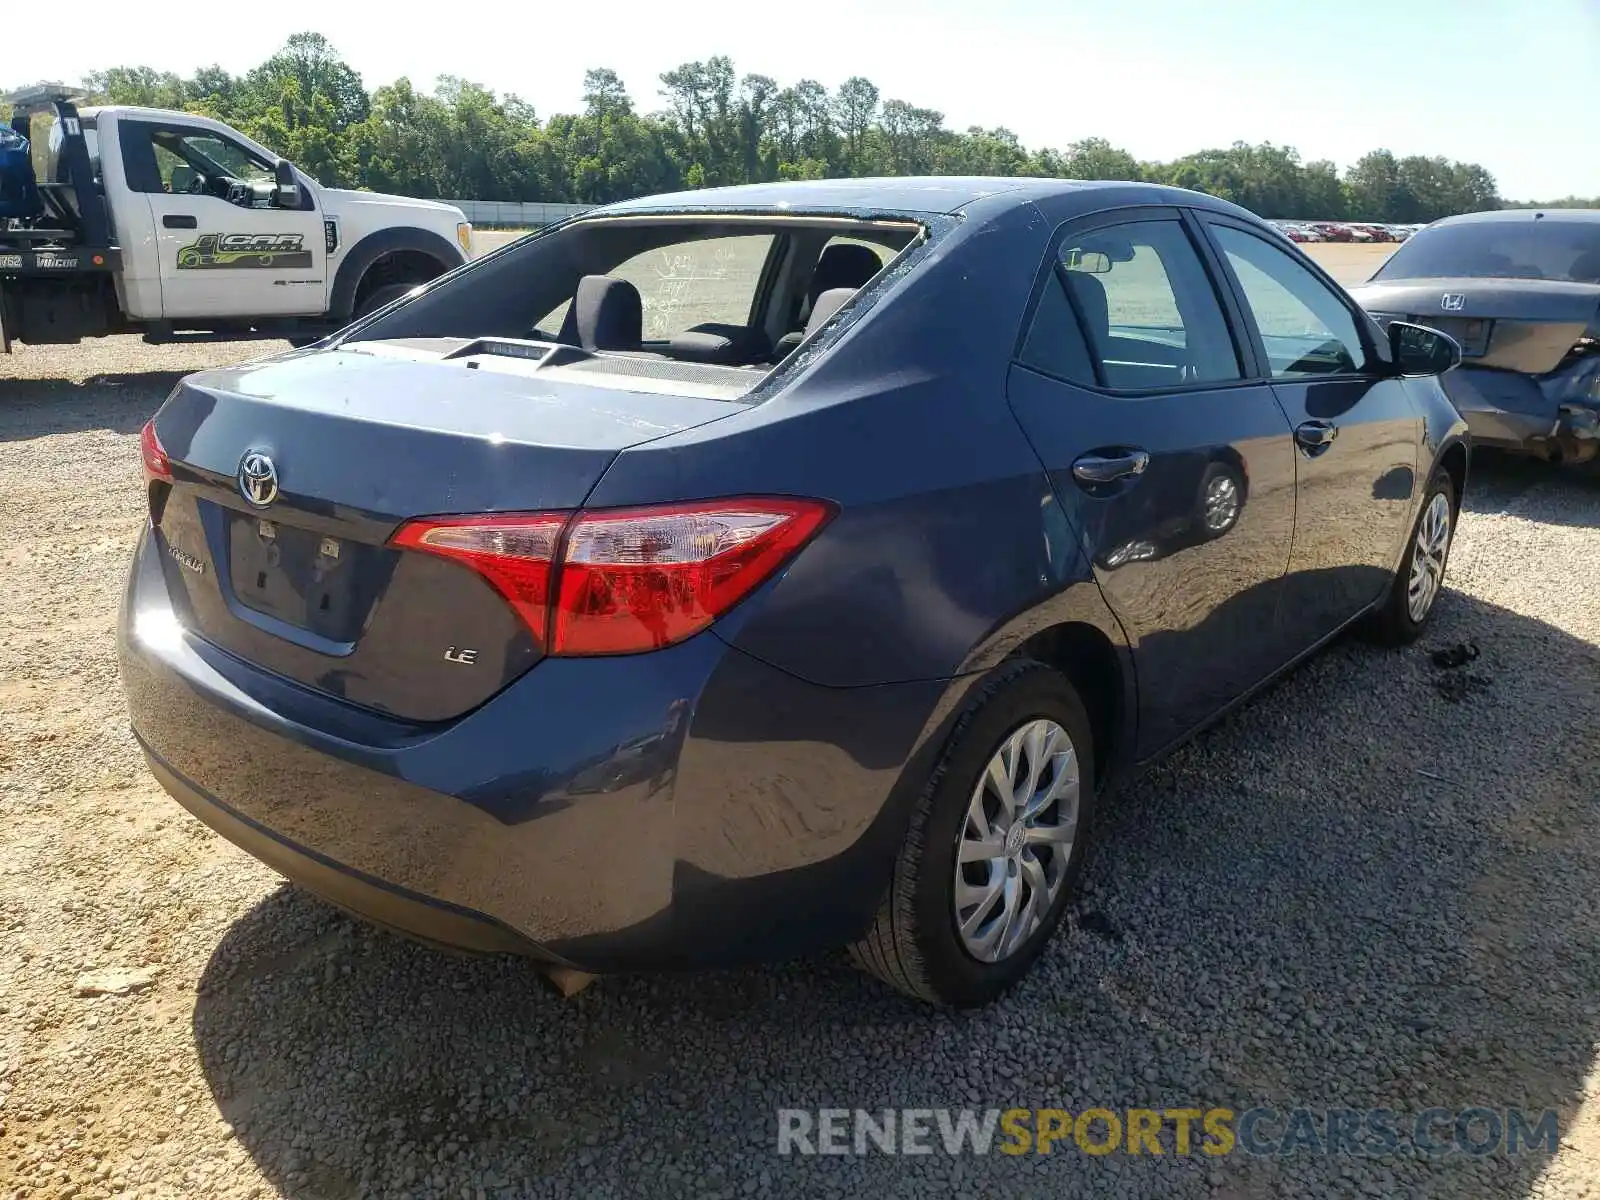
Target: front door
226, 250
1357, 431
1175, 468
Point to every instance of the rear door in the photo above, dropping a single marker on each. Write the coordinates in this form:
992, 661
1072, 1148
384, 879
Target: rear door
225, 251
1357, 432
1175, 467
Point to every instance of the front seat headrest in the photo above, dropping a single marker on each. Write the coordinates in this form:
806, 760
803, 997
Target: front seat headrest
1091, 297
830, 302
827, 304
607, 314
842, 265
1586, 267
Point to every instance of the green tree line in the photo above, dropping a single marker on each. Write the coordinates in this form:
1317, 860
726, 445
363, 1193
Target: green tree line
715, 126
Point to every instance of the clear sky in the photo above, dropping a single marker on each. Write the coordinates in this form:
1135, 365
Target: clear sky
1513, 84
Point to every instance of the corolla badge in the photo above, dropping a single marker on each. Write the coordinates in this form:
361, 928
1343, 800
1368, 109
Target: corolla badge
187, 560
1453, 301
258, 478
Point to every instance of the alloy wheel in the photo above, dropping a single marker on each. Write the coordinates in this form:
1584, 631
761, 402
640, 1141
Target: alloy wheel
1017, 838
1427, 559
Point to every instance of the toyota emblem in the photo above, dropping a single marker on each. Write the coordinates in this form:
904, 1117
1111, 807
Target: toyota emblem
258, 479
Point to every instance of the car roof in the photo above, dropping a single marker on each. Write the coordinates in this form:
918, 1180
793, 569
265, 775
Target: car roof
934, 194
1524, 215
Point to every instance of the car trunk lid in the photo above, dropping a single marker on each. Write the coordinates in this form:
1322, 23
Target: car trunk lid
290, 476
1525, 325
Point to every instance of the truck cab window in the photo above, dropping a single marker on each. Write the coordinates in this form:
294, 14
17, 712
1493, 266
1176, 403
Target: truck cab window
200, 163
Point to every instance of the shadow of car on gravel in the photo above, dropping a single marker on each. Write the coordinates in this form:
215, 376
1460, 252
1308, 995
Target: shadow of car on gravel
1498, 479
1357, 892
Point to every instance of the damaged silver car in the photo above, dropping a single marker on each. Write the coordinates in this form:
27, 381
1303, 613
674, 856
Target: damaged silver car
1520, 291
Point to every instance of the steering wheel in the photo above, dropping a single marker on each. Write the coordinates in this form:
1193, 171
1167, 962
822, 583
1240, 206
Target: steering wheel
197, 186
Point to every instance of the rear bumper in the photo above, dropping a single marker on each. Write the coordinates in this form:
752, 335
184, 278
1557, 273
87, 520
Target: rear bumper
417, 916
1508, 411
688, 808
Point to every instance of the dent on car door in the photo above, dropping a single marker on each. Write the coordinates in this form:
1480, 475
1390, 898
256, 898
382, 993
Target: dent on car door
1174, 468
1357, 430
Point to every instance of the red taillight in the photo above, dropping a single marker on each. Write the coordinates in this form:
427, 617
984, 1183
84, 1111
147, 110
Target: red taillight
156, 463
625, 580
639, 579
514, 552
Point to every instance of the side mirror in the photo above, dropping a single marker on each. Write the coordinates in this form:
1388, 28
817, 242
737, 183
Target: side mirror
1418, 350
287, 193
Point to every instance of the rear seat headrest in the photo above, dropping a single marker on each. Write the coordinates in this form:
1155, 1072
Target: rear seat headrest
607, 314
726, 345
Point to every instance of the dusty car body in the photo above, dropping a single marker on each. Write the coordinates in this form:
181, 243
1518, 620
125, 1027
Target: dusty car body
746, 573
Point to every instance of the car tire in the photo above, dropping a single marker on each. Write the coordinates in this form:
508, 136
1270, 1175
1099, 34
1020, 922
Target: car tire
914, 943
381, 296
1398, 622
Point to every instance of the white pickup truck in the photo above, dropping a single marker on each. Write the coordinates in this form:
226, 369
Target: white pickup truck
122, 220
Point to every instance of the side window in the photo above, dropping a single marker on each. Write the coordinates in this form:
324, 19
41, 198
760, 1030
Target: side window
1055, 342
1147, 315
233, 158
1307, 330
690, 283
197, 162
172, 169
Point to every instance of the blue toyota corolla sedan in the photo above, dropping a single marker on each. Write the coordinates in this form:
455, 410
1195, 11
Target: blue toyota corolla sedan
740, 574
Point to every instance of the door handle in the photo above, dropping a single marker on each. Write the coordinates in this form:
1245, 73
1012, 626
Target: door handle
179, 222
1315, 436
1094, 469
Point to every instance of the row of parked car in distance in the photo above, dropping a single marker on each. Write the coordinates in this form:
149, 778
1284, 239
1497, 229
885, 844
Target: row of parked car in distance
1345, 231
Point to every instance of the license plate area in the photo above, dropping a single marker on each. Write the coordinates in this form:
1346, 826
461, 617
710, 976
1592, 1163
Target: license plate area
1471, 332
323, 584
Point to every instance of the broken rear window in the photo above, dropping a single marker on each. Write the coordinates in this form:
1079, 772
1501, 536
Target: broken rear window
719, 291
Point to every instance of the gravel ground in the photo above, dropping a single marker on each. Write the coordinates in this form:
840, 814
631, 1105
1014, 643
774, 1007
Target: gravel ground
1373, 887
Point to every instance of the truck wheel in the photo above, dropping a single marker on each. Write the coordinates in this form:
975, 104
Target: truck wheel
380, 296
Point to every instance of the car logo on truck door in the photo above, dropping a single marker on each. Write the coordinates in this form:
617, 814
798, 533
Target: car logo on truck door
1453, 301
227, 251
258, 478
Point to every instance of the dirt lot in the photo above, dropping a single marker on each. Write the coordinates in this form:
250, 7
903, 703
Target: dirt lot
1373, 887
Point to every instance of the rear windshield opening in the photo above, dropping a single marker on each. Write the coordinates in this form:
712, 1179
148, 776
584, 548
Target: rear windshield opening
1568, 251
721, 292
